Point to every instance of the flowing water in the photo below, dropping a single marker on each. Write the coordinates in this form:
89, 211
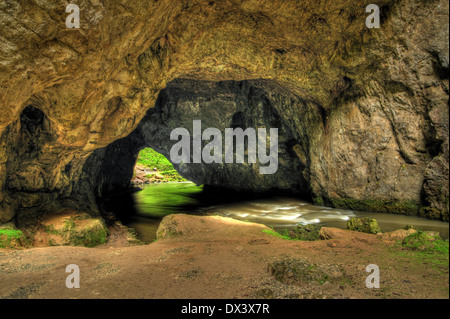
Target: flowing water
144, 209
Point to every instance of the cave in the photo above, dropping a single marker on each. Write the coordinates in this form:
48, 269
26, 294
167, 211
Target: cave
360, 111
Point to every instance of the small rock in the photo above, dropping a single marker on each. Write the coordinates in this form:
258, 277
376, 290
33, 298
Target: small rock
308, 232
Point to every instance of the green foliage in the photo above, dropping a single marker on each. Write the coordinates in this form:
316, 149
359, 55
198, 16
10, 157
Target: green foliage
301, 232
272, 232
50, 229
69, 225
10, 237
318, 201
152, 159
425, 248
424, 241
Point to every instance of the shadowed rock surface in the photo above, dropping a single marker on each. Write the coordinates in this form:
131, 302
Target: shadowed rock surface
363, 112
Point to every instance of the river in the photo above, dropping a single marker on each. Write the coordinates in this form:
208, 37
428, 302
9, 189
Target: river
144, 209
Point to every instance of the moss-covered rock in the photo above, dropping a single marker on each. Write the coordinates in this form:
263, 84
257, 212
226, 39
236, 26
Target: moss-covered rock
308, 232
73, 229
365, 225
426, 241
168, 227
10, 237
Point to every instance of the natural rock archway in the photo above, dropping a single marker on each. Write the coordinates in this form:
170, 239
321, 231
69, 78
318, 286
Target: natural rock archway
365, 109
248, 104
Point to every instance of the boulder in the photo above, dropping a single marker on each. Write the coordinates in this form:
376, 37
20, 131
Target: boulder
364, 225
308, 232
71, 228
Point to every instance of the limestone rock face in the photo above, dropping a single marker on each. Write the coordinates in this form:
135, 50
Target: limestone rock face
364, 112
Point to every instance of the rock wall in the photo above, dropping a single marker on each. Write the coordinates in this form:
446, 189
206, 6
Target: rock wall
372, 126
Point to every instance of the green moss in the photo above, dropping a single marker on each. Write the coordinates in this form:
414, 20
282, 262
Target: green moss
11, 238
426, 249
379, 206
364, 225
272, 232
301, 232
434, 213
318, 201
73, 235
50, 229
69, 225
89, 237
305, 232
427, 242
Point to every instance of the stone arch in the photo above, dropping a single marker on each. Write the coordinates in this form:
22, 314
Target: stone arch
220, 105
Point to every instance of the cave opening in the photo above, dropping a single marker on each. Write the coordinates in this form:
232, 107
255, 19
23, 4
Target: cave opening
153, 167
160, 187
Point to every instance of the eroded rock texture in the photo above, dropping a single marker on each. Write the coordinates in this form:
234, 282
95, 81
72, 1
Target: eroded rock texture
366, 108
